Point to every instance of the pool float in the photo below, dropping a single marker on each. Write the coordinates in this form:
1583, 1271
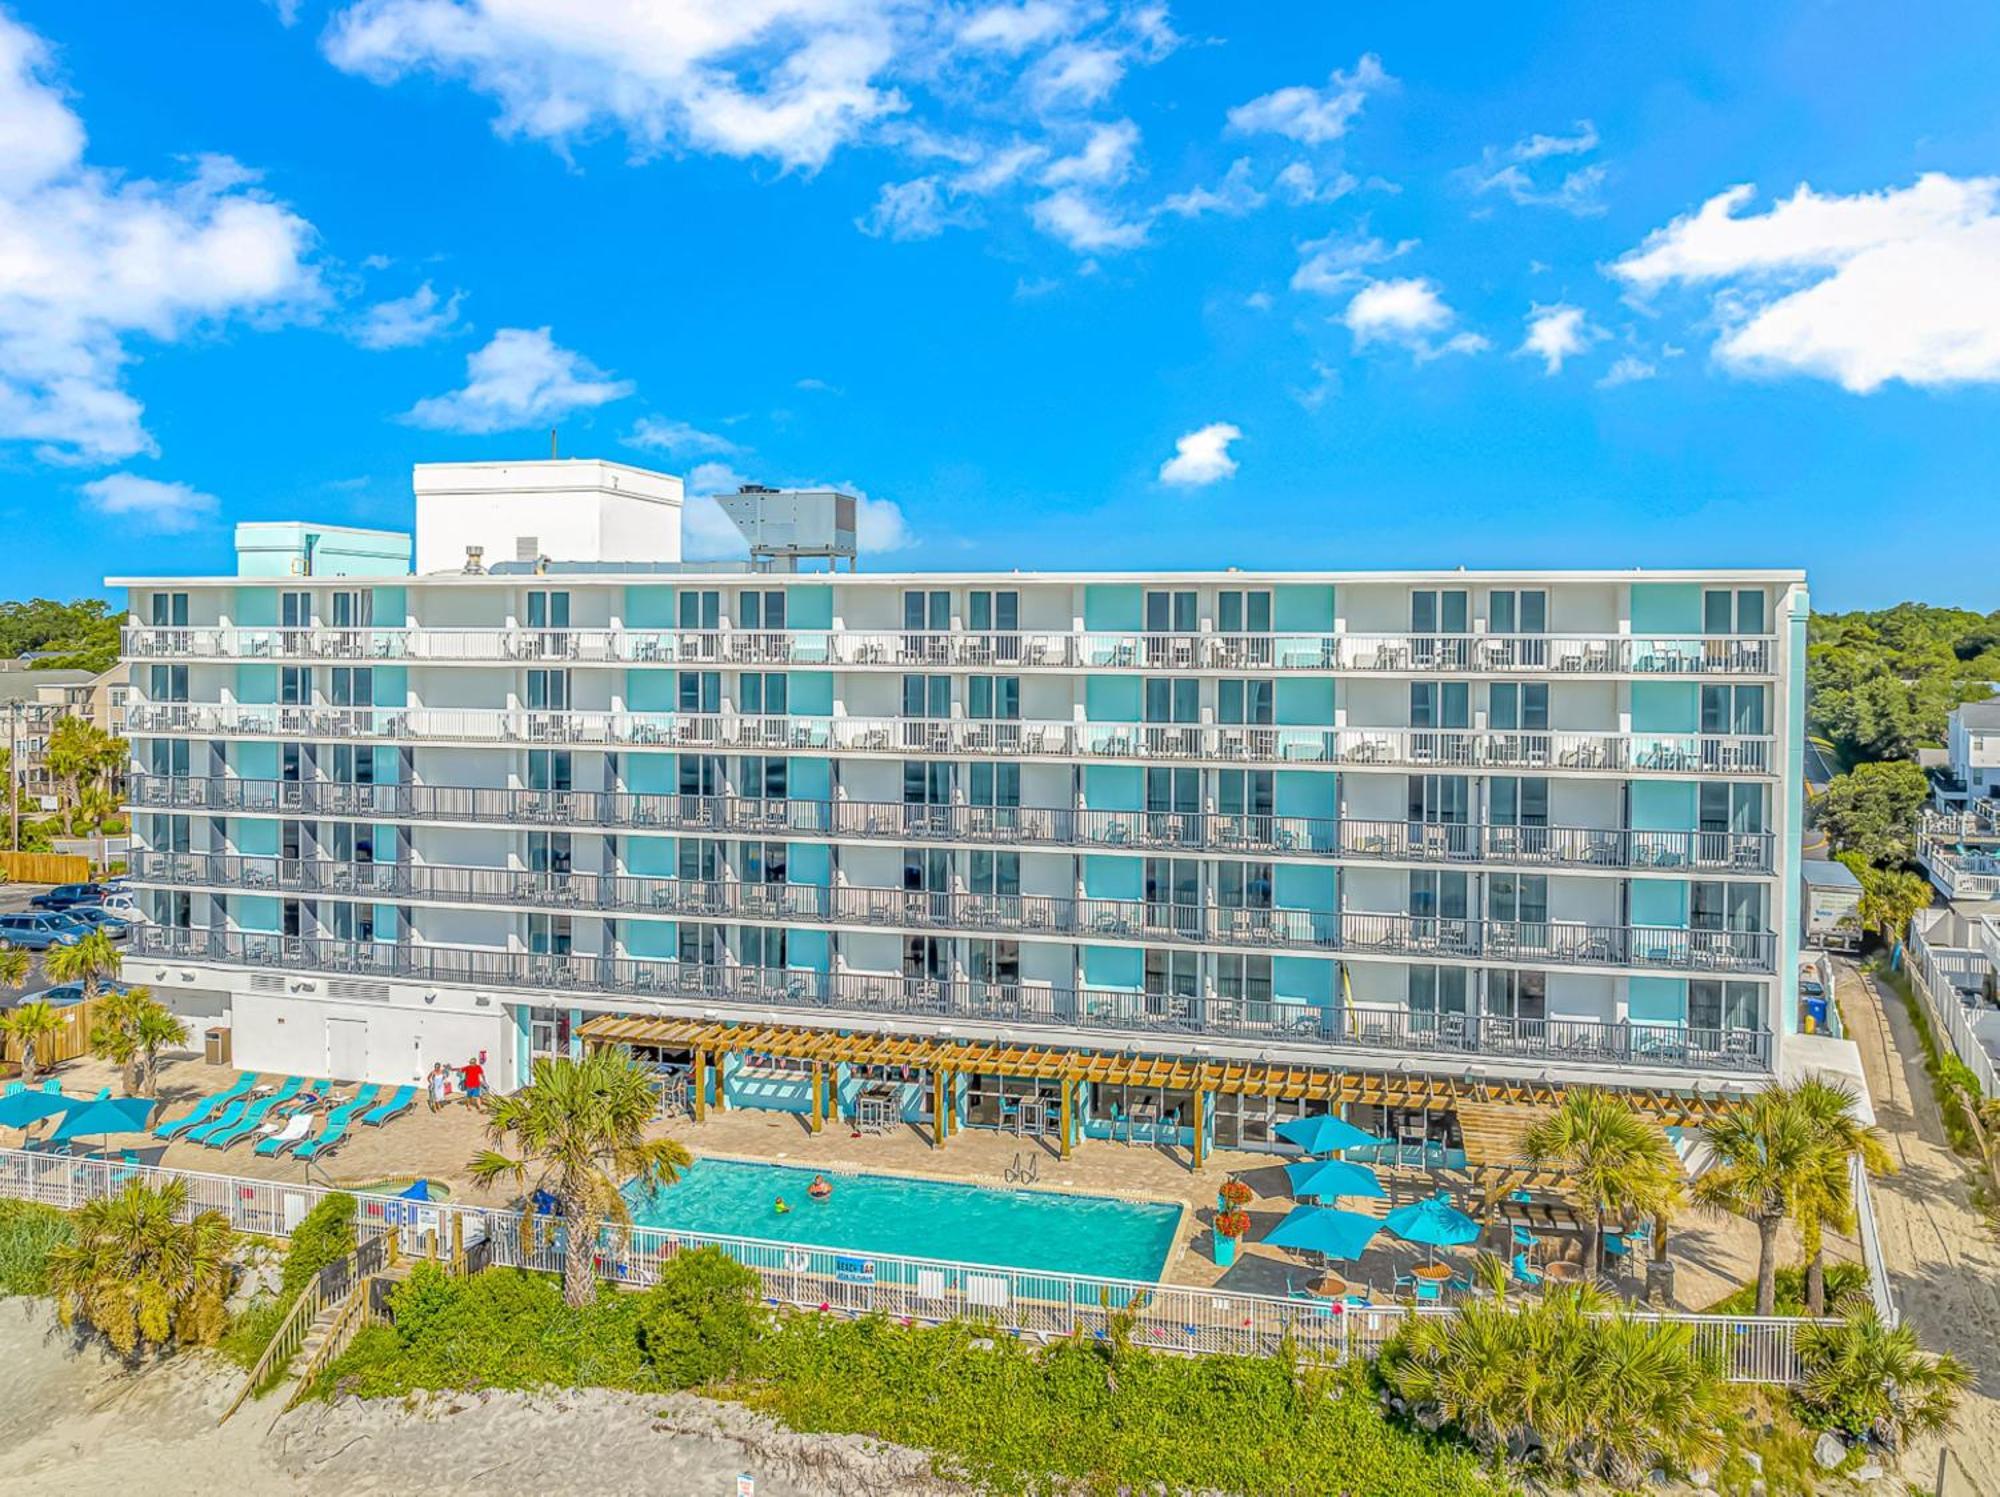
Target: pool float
819, 1190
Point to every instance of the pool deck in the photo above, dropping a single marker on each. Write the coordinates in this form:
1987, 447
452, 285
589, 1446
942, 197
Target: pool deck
1712, 1254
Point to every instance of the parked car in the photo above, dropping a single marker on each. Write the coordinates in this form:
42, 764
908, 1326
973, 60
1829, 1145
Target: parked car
123, 906
89, 917
62, 896
69, 994
38, 931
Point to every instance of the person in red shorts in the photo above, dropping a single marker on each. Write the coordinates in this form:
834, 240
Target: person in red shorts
473, 1078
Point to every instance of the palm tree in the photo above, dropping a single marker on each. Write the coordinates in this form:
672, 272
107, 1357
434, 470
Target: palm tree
89, 961
1890, 900
1826, 1194
1618, 1161
579, 1130
1766, 1152
1861, 1377
15, 964
138, 1273
133, 1027
33, 1028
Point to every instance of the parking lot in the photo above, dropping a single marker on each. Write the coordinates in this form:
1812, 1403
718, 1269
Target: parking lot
14, 899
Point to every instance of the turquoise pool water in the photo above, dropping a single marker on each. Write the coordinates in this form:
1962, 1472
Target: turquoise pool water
1046, 1231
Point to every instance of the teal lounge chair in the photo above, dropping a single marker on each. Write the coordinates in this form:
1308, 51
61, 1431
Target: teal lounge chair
329, 1137
223, 1119
222, 1136
207, 1107
395, 1107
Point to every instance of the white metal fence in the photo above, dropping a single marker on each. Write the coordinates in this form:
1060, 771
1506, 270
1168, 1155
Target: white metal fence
1027, 1304
1931, 971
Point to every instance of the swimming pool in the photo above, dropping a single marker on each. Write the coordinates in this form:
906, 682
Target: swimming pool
1048, 1231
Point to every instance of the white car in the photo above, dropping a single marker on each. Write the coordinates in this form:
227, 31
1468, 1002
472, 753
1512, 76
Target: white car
121, 905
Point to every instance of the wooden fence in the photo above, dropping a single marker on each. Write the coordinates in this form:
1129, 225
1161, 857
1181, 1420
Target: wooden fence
72, 1042
44, 868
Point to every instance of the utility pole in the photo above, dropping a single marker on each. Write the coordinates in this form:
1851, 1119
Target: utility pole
14, 771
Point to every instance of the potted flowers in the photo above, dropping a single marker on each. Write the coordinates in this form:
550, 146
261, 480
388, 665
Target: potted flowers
1231, 1220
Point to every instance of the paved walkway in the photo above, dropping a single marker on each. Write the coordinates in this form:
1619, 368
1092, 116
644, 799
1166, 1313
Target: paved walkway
1944, 1263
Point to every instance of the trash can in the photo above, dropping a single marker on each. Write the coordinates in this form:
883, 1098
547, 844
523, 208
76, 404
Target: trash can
1816, 1011
218, 1049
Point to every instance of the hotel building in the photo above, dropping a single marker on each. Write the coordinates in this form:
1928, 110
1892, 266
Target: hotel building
1127, 848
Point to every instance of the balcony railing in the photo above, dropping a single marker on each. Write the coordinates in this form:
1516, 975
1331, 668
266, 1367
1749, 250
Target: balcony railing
1396, 654
1386, 747
1231, 834
1080, 1011
1549, 943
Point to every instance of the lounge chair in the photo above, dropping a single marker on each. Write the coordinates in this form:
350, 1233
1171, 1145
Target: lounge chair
395, 1107
227, 1117
206, 1108
1525, 1271
255, 1113
337, 1123
297, 1126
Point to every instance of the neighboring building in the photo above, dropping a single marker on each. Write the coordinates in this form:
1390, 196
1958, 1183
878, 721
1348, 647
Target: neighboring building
1183, 852
31, 703
1971, 771
1832, 904
1958, 834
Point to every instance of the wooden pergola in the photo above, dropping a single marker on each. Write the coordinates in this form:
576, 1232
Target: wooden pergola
944, 1059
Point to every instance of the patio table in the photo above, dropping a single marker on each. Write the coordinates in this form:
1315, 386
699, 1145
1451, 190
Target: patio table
1435, 1272
1563, 1272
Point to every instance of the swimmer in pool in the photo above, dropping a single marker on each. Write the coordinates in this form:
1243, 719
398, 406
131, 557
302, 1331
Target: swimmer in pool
783, 1206
820, 1189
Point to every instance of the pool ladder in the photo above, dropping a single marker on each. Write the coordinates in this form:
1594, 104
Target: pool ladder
1025, 1170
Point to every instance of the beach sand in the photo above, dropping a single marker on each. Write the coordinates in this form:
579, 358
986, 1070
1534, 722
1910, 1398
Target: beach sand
74, 1421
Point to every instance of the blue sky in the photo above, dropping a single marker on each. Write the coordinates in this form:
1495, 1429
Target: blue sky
1053, 282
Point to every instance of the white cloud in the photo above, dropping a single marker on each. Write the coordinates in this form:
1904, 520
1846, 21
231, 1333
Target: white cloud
916, 209
1557, 332
1234, 196
1301, 184
1410, 313
91, 260
1075, 76
999, 167
659, 434
1013, 29
1509, 171
1627, 370
817, 386
1105, 160
521, 378
1336, 264
1085, 225
1902, 284
1202, 457
1325, 385
408, 321
879, 525
147, 504
1313, 116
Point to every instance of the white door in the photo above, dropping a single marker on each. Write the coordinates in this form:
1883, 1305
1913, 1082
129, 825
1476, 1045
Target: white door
347, 1049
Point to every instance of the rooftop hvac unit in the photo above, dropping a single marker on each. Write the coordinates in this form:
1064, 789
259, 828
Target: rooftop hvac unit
787, 524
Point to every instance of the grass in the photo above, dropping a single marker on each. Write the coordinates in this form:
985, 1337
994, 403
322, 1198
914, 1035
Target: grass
28, 1233
1841, 1279
1008, 1417
251, 1329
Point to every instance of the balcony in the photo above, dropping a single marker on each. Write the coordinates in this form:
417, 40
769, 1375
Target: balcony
1545, 943
1081, 1012
1228, 834
1147, 743
1533, 655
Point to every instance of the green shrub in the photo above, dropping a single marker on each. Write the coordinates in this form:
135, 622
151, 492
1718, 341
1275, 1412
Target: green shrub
1842, 1279
1862, 1378
325, 1236
28, 1234
251, 1329
698, 1324
425, 1295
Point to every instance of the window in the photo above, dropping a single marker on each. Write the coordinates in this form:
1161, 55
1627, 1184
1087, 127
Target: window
926, 870
169, 610
294, 686
1517, 611
1440, 704
1719, 906
926, 612
1519, 801
1522, 996
353, 686
1440, 799
549, 852
1724, 1005
927, 958
761, 692
295, 610
700, 691
760, 610
927, 696
1171, 975
1245, 792
1522, 897
545, 610
994, 961
170, 756
1173, 699
550, 769
1243, 886
1171, 613
1726, 611
548, 691
701, 609
764, 862
1437, 990
994, 873
699, 860
292, 764
699, 945
763, 776
1513, 707
1244, 977
1434, 612
1437, 896
550, 935
353, 765
1243, 612
997, 785
993, 697
1244, 702
168, 683
1173, 881
1173, 790
353, 922
700, 774
992, 612
1732, 709
927, 783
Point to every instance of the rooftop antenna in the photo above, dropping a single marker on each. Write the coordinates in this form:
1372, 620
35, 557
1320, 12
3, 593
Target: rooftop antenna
553, 454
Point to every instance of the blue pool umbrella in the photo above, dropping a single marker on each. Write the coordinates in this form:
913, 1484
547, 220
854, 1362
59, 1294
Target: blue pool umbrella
22, 1108
1434, 1223
1325, 1229
1323, 1133
1333, 1177
119, 1115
